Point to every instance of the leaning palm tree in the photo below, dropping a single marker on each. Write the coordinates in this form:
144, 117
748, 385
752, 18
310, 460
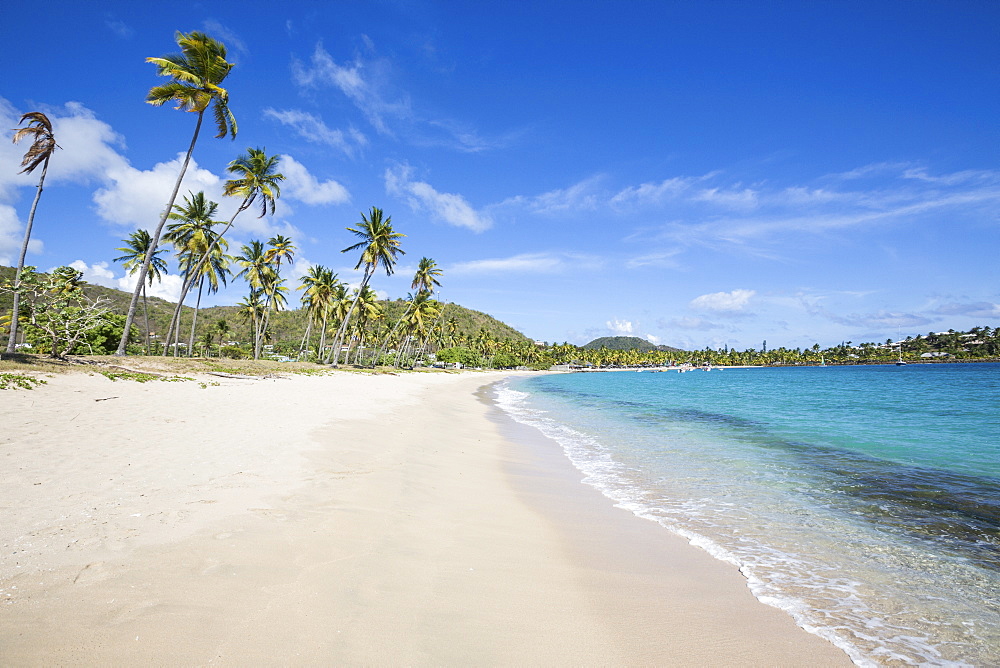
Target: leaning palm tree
135, 249
379, 246
195, 74
43, 145
256, 180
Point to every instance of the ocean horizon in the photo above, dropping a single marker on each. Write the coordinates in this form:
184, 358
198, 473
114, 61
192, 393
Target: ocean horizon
862, 500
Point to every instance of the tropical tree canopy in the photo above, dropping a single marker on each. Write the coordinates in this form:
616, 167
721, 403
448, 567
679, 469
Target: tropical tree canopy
43, 142
196, 73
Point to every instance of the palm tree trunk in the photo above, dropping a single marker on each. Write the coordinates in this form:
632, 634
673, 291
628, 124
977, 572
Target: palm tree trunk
194, 317
123, 344
174, 330
305, 338
12, 341
145, 315
322, 334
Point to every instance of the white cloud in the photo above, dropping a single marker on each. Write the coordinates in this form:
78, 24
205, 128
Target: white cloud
313, 129
450, 208
655, 340
301, 185
620, 326
723, 301
136, 198
582, 196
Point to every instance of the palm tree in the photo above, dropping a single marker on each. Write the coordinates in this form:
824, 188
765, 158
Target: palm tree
422, 313
281, 248
196, 74
259, 273
369, 311
214, 271
379, 246
43, 145
251, 309
135, 249
257, 179
192, 235
425, 278
318, 285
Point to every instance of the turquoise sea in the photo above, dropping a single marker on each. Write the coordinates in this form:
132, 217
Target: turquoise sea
863, 500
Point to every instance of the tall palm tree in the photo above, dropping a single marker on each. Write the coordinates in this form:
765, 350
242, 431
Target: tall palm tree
251, 309
259, 273
192, 236
369, 311
318, 286
213, 272
195, 77
135, 249
421, 316
256, 180
281, 248
379, 246
424, 280
43, 145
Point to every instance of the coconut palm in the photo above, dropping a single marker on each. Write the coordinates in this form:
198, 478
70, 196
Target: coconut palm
135, 249
318, 286
421, 315
259, 273
43, 145
425, 278
256, 181
281, 248
192, 236
379, 246
213, 272
196, 74
369, 310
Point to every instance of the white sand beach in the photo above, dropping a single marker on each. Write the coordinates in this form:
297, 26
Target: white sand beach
344, 519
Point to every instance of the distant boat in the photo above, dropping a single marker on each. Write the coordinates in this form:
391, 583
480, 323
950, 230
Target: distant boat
899, 361
822, 361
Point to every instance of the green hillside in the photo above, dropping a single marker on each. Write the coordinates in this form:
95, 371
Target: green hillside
626, 343
285, 327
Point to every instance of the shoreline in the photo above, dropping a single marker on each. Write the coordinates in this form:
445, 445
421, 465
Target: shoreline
345, 518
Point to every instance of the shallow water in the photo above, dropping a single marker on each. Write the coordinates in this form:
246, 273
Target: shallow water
865, 501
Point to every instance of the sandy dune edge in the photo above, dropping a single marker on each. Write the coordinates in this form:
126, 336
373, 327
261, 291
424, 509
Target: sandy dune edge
336, 520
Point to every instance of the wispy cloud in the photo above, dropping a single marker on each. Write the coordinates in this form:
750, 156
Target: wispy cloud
313, 129
119, 27
236, 48
528, 263
449, 208
370, 83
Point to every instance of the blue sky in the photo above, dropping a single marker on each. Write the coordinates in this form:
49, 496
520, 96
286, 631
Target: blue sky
714, 173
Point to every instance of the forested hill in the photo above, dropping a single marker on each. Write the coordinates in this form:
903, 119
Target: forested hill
626, 343
286, 326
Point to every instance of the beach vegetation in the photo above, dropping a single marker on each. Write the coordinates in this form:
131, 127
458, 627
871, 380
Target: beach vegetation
196, 75
10, 381
56, 311
43, 145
